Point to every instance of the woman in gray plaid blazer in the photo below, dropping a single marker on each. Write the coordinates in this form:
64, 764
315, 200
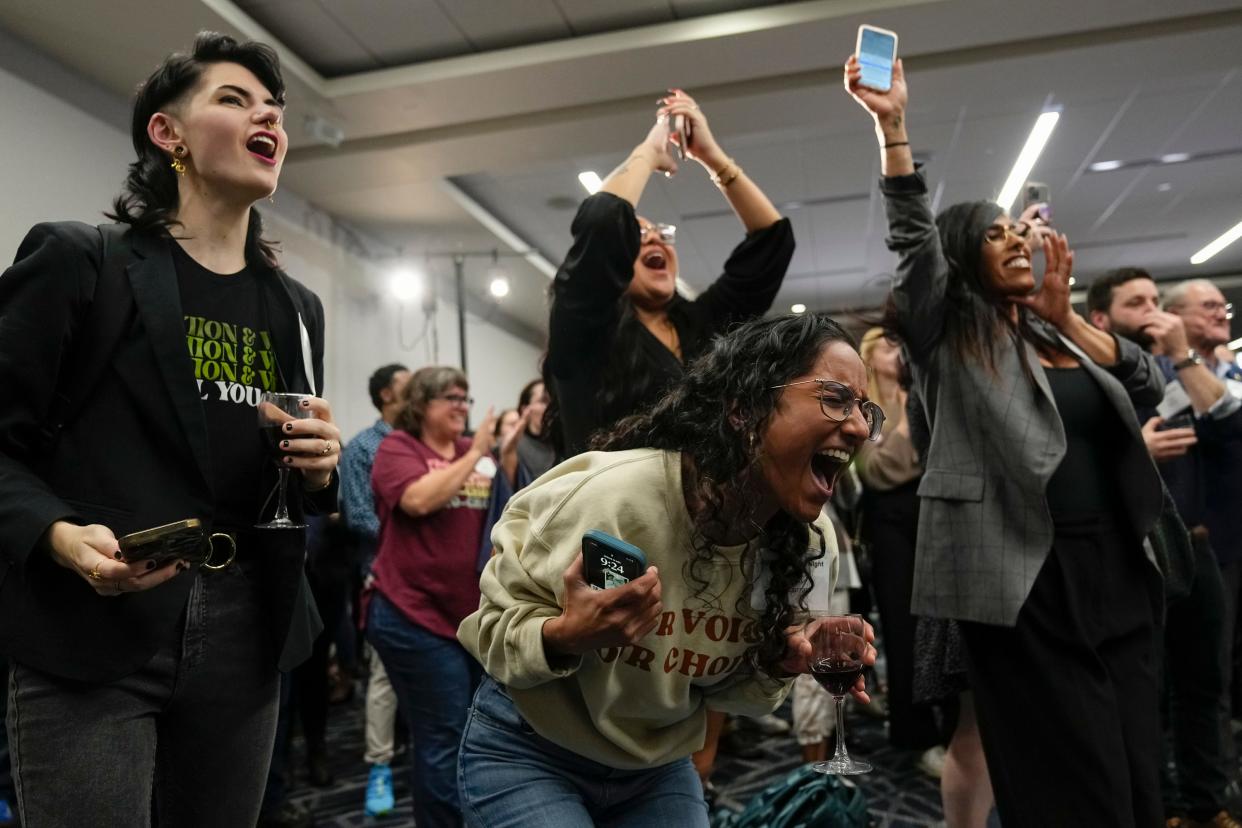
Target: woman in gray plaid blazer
1037, 495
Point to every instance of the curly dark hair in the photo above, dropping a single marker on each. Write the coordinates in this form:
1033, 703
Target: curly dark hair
716, 416
149, 199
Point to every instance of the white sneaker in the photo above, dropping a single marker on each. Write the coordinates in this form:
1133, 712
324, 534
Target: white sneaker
932, 762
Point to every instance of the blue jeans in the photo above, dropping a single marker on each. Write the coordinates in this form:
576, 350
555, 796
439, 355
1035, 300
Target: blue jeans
433, 678
189, 735
511, 776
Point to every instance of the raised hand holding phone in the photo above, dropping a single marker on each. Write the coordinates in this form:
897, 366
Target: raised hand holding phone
876, 52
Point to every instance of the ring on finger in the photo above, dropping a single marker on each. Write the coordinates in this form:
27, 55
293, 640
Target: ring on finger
94, 573
327, 448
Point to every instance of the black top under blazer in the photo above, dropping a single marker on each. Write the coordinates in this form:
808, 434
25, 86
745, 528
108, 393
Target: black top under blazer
996, 438
135, 457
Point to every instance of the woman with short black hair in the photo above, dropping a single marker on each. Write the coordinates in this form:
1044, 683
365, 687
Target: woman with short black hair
139, 687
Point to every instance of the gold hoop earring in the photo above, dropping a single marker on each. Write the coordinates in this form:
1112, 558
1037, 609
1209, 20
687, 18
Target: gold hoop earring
178, 164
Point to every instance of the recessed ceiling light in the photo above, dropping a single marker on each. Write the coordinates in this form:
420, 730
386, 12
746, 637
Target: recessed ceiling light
1073, 281
1175, 158
590, 181
499, 287
798, 308
1035, 142
1105, 166
406, 284
1227, 238
1164, 188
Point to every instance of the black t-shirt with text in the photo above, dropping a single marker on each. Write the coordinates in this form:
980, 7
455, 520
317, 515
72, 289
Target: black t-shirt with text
234, 362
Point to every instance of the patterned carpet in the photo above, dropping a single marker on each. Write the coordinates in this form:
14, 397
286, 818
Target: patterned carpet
899, 795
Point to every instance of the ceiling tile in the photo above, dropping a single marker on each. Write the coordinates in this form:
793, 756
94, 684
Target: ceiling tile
399, 32
592, 16
492, 25
314, 35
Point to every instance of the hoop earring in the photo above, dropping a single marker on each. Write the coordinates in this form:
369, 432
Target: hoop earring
178, 164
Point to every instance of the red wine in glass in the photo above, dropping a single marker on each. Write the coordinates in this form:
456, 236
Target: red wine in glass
275, 411
838, 643
835, 676
273, 436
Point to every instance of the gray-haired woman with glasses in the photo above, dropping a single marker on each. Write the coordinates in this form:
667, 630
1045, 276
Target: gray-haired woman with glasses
619, 332
1037, 494
431, 489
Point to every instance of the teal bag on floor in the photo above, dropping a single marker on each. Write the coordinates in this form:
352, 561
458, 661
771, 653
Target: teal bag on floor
803, 799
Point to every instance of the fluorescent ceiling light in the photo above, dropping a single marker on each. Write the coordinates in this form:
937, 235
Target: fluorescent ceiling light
1175, 158
1039, 136
1235, 345
1227, 238
798, 308
499, 287
1105, 166
590, 181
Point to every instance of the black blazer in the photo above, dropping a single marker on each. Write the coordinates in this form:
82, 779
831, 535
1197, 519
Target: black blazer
136, 456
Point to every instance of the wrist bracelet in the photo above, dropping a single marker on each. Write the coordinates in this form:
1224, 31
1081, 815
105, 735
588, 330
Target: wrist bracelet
731, 169
897, 144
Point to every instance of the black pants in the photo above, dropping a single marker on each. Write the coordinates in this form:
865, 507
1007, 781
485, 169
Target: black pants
889, 527
1231, 648
1067, 699
1194, 684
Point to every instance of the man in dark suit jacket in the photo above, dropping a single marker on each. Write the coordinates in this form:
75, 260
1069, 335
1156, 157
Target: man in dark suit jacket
1127, 302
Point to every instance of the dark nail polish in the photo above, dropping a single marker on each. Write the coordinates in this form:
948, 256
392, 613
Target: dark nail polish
288, 459
305, 403
284, 444
288, 426
180, 567
150, 564
117, 554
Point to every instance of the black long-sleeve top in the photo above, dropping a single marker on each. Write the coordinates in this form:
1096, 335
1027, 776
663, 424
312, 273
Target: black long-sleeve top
587, 311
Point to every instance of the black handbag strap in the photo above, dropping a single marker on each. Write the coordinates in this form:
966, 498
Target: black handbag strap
97, 336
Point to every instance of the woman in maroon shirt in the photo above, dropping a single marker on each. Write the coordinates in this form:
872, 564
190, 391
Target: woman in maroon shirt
431, 489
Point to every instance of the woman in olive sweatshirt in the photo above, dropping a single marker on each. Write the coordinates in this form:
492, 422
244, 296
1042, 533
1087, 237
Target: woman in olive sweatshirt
595, 700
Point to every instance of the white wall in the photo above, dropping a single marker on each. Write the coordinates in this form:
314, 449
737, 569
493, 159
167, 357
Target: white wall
57, 162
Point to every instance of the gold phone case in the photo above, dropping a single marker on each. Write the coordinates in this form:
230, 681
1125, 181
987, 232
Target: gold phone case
183, 539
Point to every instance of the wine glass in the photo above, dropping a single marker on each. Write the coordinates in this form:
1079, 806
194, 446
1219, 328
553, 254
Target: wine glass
838, 643
276, 409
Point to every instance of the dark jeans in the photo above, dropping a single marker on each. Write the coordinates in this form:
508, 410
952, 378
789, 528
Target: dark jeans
188, 736
889, 527
434, 679
511, 777
1067, 699
1194, 683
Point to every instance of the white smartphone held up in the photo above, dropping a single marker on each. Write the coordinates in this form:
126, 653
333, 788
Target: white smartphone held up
876, 52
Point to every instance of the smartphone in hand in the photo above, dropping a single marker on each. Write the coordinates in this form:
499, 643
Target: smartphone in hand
1034, 192
183, 540
679, 127
876, 52
1184, 420
610, 562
